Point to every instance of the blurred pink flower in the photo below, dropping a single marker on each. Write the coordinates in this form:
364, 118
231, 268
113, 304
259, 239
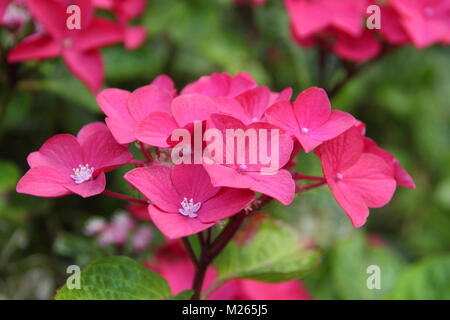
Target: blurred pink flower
426, 21
125, 11
78, 48
311, 16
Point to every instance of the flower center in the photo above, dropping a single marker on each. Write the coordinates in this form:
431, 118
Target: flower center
428, 11
189, 209
305, 130
339, 176
242, 168
82, 173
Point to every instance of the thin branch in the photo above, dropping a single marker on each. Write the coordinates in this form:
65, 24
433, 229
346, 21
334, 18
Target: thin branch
123, 197
190, 251
145, 152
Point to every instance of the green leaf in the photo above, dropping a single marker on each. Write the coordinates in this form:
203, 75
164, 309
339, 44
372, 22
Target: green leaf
117, 278
183, 295
273, 254
351, 258
9, 176
428, 279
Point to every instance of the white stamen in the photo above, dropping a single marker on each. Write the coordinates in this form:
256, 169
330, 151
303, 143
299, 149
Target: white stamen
82, 174
189, 209
242, 168
339, 176
305, 130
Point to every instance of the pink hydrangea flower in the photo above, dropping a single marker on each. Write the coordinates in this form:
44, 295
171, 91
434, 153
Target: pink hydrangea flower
186, 109
310, 118
124, 110
125, 11
221, 85
78, 48
251, 105
66, 164
184, 201
311, 16
279, 184
426, 21
357, 179
174, 265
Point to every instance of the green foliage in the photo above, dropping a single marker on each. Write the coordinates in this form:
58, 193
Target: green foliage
347, 268
426, 279
273, 254
117, 278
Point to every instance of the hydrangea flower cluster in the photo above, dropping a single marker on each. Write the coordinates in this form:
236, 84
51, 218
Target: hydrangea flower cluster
79, 47
340, 25
186, 198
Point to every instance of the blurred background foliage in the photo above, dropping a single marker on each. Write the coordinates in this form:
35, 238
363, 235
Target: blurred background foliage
404, 98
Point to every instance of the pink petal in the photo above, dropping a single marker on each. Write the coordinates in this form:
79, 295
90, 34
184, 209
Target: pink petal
62, 152
351, 202
221, 85
87, 66
135, 37
88, 188
282, 115
52, 14
372, 178
357, 49
155, 183
225, 204
3, 5
192, 181
190, 108
34, 47
148, 99
307, 17
224, 176
175, 225
400, 174
341, 152
312, 108
337, 123
103, 153
44, 182
255, 102
165, 82
114, 103
156, 128
280, 186
98, 34
91, 129
232, 107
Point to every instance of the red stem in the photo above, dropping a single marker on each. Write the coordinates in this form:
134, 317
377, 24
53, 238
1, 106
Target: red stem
145, 152
123, 197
